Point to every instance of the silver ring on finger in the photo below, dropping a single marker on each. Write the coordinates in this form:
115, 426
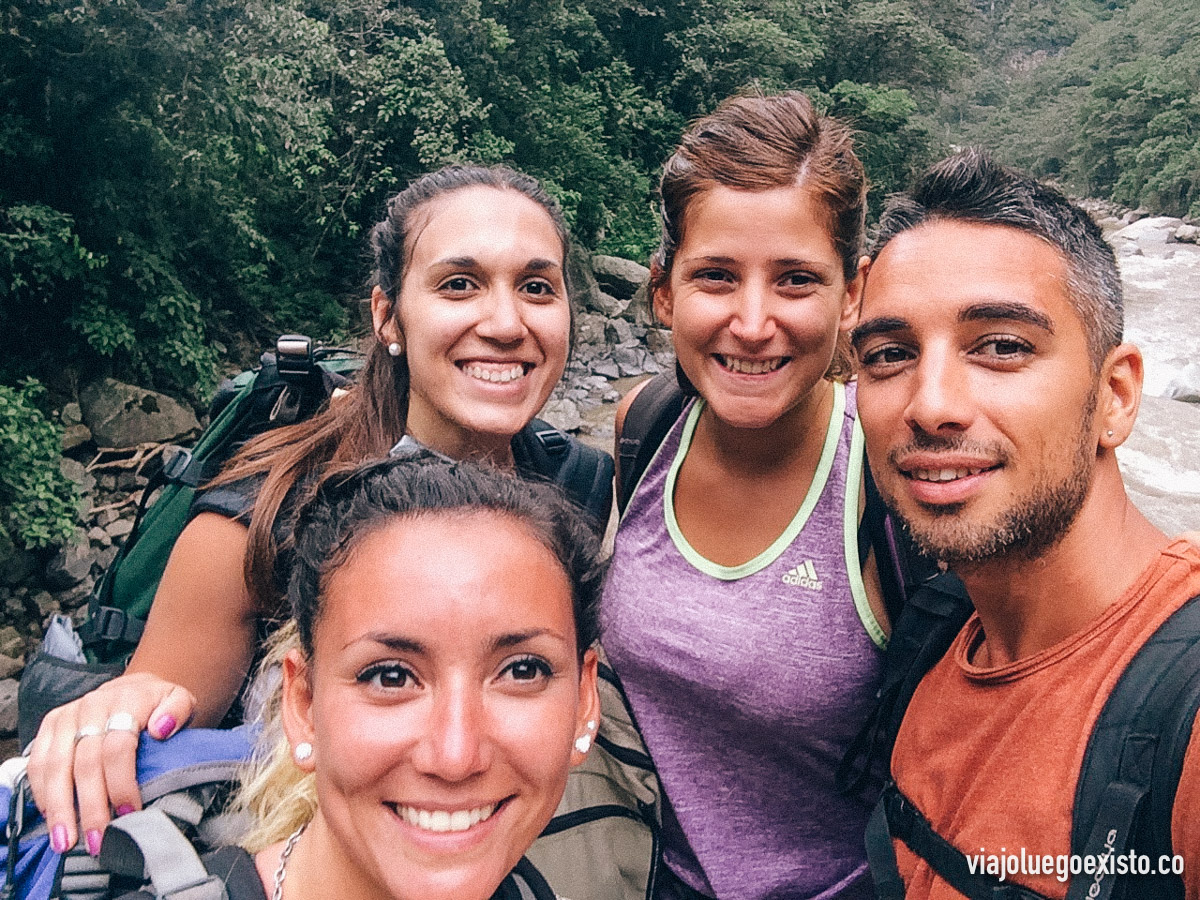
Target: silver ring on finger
88, 731
122, 721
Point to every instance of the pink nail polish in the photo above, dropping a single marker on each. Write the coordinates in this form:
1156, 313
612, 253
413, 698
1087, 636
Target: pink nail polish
124, 809
58, 839
163, 726
93, 842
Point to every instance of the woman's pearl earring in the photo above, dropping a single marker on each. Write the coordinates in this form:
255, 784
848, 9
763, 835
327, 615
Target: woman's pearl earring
583, 743
394, 348
303, 752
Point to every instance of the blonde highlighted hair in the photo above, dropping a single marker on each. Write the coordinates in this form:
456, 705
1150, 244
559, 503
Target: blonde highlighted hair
275, 795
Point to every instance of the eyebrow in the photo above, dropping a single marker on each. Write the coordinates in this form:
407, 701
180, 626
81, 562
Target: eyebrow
516, 638
469, 262
1014, 312
878, 325
977, 312
395, 642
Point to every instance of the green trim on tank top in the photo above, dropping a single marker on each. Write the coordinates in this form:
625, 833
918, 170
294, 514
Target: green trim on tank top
833, 432
862, 605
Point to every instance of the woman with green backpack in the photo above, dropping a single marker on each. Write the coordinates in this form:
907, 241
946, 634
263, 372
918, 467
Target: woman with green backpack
472, 326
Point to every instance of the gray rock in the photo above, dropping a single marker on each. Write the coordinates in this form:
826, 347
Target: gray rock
1185, 385
562, 414
119, 528
75, 436
11, 642
1187, 234
618, 332
659, 339
589, 329
619, 277
607, 368
609, 305
15, 563
10, 666
105, 557
1135, 215
46, 603
71, 564
8, 707
640, 309
71, 414
1155, 230
124, 415
98, 535
1127, 248
78, 473
611, 396
630, 360
1161, 465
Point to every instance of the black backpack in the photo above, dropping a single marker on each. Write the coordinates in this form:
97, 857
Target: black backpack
1126, 790
290, 385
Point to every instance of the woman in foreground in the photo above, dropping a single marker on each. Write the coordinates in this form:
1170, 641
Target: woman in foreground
745, 628
472, 327
443, 689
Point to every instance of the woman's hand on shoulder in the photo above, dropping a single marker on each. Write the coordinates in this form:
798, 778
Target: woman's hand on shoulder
87, 750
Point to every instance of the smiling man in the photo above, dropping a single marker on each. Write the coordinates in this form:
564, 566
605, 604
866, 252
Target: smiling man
994, 389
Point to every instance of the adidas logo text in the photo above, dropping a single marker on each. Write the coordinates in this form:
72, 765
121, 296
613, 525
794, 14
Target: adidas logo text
804, 575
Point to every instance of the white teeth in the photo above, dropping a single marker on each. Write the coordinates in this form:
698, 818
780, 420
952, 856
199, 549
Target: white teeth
442, 821
495, 376
750, 366
943, 474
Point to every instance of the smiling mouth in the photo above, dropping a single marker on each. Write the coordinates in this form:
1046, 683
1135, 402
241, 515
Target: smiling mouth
941, 475
443, 821
496, 373
750, 366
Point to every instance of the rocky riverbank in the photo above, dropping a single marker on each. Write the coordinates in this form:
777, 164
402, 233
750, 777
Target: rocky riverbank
115, 435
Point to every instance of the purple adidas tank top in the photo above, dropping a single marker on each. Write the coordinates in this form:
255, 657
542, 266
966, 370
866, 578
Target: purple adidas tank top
748, 682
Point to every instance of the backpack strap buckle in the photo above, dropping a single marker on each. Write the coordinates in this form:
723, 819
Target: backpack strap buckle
553, 441
108, 623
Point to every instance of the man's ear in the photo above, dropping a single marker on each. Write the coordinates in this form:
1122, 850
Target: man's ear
852, 305
297, 708
1120, 394
587, 720
384, 320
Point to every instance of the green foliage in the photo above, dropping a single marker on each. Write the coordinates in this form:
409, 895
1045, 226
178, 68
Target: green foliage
1105, 98
37, 500
177, 176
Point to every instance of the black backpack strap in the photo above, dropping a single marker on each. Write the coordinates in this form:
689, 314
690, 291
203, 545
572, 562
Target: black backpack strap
524, 883
584, 473
653, 411
895, 816
922, 633
1134, 760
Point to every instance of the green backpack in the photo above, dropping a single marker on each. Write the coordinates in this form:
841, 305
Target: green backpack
289, 386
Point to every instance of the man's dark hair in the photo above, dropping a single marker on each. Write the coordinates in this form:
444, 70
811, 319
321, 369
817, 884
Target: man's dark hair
972, 187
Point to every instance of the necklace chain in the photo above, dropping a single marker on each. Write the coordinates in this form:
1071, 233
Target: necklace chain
281, 872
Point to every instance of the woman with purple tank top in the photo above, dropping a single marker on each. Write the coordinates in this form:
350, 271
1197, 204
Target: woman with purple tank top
744, 627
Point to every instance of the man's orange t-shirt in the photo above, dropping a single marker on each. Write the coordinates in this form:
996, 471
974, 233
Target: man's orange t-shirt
992, 756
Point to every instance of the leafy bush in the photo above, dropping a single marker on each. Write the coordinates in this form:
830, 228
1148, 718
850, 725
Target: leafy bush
37, 502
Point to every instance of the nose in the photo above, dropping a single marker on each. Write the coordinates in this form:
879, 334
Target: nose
940, 399
753, 320
454, 746
503, 321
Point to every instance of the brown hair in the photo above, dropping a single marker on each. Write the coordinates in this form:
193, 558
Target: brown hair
372, 417
755, 143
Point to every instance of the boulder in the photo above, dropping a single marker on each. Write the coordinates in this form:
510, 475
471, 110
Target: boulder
8, 707
10, 666
71, 414
1187, 234
589, 329
78, 473
609, 305
1155, 230
11, 642
15, 563
75, 436
71, 564
619, 277
640, 309
1135, 215
619, 332
1185, 386
562, 414
124, 415
1161, 466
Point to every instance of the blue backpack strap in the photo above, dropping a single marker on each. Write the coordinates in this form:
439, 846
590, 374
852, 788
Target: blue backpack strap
1134, 760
